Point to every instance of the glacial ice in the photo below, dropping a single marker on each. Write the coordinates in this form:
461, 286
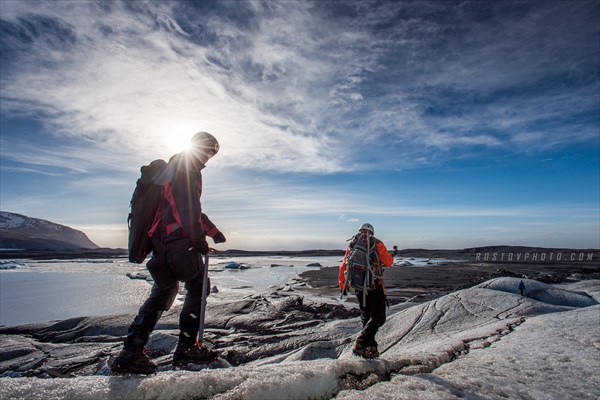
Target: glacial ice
485, 342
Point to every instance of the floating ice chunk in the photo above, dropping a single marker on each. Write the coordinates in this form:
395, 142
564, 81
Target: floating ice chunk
10, 264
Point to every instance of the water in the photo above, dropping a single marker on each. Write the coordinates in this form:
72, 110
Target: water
43, 296
36, 291
263, 272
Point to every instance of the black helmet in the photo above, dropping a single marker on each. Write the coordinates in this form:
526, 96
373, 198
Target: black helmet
203, 143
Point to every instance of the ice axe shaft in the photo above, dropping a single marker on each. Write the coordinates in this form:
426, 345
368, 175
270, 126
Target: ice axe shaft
204, 295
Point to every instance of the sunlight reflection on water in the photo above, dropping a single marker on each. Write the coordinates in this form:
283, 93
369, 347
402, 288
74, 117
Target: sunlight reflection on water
42, 296
60, 289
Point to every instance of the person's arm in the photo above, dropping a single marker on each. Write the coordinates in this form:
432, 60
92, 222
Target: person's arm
385, 257
342, 273
211, 230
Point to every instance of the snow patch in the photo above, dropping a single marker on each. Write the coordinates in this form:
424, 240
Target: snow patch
9, 220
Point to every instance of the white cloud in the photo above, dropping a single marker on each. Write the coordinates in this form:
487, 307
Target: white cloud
291, 90
138, 86
293, 87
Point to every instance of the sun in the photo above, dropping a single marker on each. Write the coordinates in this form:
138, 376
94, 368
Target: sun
177, 139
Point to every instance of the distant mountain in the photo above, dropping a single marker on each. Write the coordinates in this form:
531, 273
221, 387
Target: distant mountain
21, 232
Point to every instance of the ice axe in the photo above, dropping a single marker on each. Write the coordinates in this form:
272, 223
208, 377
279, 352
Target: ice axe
204, 295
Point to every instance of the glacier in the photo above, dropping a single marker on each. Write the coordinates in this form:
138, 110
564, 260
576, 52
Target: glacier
484, 342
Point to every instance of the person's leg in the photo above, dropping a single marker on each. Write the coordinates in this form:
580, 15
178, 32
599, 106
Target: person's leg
188, 349
372, 314
185, 266
375, 315
377, 306
161, 298
189, 319
132, 358
365, 312
365, 317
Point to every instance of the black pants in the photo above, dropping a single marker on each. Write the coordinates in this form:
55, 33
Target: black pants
170, 264
372, 314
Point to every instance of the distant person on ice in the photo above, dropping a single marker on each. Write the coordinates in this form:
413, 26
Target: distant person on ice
522, 288
178, 234
362, 269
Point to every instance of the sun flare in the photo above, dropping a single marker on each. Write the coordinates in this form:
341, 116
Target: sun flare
177, 139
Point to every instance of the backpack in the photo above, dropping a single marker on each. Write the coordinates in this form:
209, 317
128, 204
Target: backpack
143, 206
362, 263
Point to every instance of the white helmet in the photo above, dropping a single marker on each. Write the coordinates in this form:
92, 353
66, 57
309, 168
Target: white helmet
367, 227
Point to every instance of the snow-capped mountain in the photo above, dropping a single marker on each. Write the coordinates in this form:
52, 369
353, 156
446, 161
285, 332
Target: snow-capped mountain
20, 232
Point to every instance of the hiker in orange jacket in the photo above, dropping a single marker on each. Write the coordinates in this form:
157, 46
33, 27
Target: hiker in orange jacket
372, 303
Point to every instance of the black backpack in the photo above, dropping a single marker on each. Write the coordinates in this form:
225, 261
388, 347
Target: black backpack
362, 262
144, 204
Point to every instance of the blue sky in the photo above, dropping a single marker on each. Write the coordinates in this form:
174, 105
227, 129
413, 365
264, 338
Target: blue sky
445, 124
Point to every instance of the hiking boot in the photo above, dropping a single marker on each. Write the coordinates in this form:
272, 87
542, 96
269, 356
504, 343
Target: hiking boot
365, 351
133, 362
193, 354
358, 349
371, 352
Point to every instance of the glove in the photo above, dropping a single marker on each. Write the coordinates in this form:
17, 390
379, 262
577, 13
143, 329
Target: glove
201, 246
219, 238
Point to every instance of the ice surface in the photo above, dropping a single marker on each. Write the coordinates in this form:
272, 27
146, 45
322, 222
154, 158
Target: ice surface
541, 291
486, 342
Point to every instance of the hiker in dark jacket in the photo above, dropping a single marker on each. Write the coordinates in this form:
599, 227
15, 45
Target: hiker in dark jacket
372, 303
178, 235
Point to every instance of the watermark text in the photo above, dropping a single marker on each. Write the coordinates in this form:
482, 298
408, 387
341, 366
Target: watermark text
533, 257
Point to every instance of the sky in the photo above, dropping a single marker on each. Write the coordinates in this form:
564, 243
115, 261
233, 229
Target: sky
445, 124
